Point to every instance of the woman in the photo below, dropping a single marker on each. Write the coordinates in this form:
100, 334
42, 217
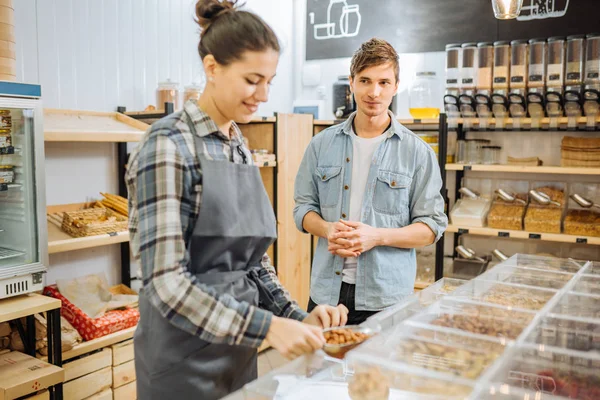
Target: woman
201, 222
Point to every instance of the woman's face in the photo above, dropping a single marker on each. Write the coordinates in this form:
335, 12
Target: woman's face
241, 86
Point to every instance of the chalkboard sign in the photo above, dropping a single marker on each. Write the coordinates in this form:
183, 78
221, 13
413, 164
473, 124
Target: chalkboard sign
336, 28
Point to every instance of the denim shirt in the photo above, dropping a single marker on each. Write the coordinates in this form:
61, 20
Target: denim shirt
403, 188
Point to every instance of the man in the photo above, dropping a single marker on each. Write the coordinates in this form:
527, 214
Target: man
370, 190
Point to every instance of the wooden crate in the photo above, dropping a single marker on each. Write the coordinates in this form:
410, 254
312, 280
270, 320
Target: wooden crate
106, 394
123, 374
126, 392
88, 364
88, 385
122, 352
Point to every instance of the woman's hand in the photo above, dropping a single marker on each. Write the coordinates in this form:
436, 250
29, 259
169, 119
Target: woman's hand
328, 316
294, 338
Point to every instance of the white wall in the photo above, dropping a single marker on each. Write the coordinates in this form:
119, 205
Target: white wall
100, 54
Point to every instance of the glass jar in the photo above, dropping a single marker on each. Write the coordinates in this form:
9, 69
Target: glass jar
343, 99
537, 62
461, 151
167, 92
575, 53
592, 61
472, 149
501, 64
490, 154
485, 56
423, 97
556, 62
192, 92
452, 66
468, 67
518, 64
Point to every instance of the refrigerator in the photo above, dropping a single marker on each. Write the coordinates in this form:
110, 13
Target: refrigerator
23, 230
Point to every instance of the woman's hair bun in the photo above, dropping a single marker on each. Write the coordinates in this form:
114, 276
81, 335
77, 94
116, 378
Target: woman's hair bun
207, 11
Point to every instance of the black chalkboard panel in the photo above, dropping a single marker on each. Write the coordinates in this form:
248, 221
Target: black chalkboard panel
336, 28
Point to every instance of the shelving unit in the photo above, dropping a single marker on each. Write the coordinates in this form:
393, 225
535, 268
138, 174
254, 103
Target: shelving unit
461, 125
97, 344
503, 233
26, 306
508, 124
555, 170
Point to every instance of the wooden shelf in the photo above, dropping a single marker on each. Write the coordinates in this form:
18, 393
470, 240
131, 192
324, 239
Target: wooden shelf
91, 126
60, 241
547, 237
96, 344
524, 123
525, 169
416, 124
24, 305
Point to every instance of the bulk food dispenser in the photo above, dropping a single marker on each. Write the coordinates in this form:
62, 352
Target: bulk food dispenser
537, 78
591, 93
574, 77
452, 80
518, 78
468, 72
555, 77
485, 65
501, 75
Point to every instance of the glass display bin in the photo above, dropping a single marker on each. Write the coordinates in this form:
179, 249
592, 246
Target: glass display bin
23, 232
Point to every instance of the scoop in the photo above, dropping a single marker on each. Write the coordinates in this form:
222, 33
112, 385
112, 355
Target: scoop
500, 255
509, 197
542, 198
583, 202
467, 253
468, 193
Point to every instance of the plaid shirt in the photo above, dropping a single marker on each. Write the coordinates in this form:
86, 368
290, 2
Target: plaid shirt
164, 182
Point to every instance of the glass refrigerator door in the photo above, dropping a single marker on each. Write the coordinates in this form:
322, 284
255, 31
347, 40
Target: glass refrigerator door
23, 252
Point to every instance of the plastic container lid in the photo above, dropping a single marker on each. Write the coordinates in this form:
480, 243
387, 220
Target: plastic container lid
502, 43
453, 46
575, 37
519, 41
592, 35
537, 40
168, 84
470, 44
556, 39
485, 44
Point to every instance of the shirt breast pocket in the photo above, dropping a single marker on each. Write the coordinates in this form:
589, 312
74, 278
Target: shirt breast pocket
392, 193
329, 184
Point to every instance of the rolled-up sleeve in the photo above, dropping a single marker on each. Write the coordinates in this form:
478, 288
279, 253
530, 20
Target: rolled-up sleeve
427, 203
306, 194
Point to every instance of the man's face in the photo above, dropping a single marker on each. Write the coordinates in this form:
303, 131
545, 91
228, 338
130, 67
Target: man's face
373, 88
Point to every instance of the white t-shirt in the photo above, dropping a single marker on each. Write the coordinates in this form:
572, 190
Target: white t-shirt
363, 151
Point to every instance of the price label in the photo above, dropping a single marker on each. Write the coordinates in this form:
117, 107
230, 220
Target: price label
467, 167
504, 234
581, 240
535, 236
7, 150
112, 234
3, 187
462, 231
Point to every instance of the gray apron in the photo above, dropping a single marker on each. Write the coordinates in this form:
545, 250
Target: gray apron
235, 227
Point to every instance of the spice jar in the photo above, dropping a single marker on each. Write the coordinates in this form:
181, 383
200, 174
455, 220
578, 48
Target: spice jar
5, 138
167, 92
192, 91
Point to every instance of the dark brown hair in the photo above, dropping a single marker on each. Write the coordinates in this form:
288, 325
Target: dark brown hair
372, 53
228, 32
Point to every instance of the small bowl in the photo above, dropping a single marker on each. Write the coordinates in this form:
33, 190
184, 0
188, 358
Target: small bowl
340, 350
